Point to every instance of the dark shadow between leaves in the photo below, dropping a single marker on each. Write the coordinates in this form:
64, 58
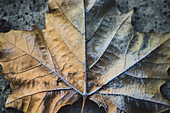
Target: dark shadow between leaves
168, 111
165, 90
12, 110
168, 71
90, 107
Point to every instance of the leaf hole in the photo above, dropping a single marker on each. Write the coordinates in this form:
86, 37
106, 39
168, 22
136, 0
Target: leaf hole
58, 81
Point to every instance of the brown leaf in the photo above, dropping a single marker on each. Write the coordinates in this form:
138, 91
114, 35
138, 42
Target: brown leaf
46, 102
90, 49
35, 62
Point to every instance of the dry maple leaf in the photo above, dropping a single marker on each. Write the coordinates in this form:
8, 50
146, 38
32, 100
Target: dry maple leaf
88, 49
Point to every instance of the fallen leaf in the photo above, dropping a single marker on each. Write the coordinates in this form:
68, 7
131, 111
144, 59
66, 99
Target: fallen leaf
88, 49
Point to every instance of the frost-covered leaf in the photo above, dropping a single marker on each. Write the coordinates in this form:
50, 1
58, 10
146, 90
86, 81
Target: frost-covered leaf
90, 49
129, 68
143, 82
